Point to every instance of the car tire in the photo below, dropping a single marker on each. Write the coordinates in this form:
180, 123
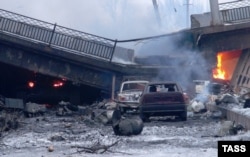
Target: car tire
144, 117
183, 116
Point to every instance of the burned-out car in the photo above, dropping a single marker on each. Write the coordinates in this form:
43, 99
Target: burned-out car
163, 99
129, 95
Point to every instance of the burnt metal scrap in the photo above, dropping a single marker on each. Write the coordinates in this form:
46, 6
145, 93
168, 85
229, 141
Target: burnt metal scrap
96, 148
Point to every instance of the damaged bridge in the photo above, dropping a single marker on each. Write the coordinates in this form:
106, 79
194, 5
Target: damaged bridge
57, 51
86, 59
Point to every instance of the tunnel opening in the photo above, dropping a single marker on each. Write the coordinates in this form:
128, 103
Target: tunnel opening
33, 87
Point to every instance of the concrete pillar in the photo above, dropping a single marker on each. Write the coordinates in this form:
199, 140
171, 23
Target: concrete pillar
113, 87
215, 13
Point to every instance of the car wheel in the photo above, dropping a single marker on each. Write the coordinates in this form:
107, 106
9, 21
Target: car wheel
144, 117
122, 110
116, 117
183, 116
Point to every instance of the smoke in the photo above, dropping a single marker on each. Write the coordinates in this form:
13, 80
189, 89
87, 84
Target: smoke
180, 61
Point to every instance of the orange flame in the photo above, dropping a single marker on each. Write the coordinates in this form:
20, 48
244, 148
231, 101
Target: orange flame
219, 73
226, 63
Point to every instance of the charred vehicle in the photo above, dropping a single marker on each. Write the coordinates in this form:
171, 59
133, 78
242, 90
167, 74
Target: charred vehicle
129, 95
163, 99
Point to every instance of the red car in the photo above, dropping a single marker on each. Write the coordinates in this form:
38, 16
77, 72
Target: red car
163, 99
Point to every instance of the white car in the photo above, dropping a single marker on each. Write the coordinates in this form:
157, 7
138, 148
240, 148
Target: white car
129, 94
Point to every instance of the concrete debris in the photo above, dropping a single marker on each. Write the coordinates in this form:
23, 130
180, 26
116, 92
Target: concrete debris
65, 108
229, 128
216, 114
101, 116
198, 106
99, 112
226, 99
111, 105
225, 128
105, 104
8, 121
57, 138
32, 109
107, 112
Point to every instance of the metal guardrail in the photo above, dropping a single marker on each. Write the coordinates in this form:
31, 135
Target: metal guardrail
57, 36
235, 11
234, 4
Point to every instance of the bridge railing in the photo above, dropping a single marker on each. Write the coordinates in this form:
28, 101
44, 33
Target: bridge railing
235, 11
57, 36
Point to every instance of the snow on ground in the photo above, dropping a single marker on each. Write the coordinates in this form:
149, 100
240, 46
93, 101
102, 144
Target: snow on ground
238, 108
242, 111
159, 138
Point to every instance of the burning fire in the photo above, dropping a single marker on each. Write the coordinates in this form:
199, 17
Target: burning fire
226, 63
218, 72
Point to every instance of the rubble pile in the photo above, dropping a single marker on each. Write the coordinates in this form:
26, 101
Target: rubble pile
33, 109
8, 121
225, 104
229, 128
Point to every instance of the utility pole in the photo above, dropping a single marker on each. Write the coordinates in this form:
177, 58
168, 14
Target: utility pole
187, 13
187, 22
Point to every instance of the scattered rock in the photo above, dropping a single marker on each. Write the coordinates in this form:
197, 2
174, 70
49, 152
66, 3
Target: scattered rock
229, 128
57, 138
32, 109
50, 148
226, 99
225, 128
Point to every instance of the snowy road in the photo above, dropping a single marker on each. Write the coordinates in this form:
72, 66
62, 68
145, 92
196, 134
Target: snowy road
159, 138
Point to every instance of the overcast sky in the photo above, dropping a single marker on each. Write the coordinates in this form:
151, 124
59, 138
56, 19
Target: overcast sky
115, 19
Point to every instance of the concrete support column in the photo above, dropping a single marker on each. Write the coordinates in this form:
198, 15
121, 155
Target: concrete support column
113, 87
215, 13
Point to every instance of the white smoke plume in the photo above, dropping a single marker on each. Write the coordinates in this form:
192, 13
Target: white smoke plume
176, 52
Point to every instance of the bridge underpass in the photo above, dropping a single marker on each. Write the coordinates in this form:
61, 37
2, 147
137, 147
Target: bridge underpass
80, 71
